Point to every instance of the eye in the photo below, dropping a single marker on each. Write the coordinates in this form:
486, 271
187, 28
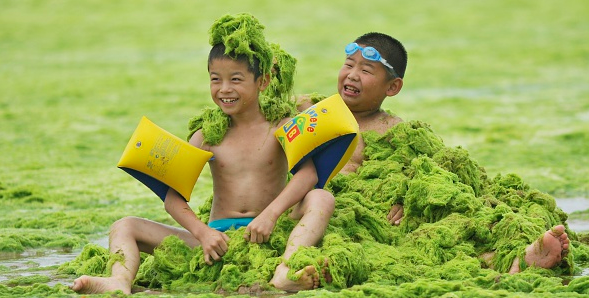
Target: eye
366, 70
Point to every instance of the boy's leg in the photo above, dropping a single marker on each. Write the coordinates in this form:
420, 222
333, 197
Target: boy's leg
314, 212
129, 236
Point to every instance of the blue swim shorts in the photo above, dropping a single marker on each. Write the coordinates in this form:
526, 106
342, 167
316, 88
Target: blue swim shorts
225, 224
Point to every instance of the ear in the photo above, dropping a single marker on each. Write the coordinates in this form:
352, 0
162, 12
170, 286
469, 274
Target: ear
264, 82
395, 86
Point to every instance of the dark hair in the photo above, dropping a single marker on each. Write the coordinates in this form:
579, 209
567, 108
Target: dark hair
389, 48
218, 52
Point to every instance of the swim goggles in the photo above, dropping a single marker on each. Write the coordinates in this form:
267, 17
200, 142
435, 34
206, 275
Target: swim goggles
371, 54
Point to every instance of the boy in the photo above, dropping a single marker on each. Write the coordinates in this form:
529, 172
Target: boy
373, 70
249, 172
365, 80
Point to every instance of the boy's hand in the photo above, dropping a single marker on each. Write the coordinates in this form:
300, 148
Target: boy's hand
214, 245
396, 214
259, 230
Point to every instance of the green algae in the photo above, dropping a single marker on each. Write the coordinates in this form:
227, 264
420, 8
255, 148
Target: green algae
242, 34
94, 260
213, 123
453, 214
20, 239
37, 290
27, 280
174, 266
283, 72
22, 195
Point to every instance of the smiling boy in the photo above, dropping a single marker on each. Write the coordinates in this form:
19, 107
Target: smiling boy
249, 172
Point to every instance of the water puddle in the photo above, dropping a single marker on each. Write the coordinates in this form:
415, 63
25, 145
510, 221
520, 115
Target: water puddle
570, 205
39, 262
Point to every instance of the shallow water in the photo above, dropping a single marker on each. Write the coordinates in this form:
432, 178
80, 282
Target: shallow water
40, 262
570, 205
44, 262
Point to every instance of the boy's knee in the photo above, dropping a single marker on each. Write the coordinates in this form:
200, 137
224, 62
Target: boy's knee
124, 224
322, 199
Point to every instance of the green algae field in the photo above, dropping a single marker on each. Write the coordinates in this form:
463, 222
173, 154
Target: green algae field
496, 142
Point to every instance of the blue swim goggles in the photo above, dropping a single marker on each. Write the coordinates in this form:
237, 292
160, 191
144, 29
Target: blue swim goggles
371, 54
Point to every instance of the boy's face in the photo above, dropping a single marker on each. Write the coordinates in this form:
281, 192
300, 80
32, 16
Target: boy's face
233, 87
363, 84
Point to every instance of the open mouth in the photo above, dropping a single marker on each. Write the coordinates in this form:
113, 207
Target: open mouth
351, 89
228, 100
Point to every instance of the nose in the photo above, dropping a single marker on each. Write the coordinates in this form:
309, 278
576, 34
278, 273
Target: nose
226, 87
353, 75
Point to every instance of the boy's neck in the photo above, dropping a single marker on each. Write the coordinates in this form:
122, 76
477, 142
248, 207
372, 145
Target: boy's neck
254, 117
367, 115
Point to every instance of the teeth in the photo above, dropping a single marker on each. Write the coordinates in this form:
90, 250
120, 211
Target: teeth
352, 89
228, 100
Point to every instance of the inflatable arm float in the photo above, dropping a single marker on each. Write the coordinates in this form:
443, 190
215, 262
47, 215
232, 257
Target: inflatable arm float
326, 132
161, 160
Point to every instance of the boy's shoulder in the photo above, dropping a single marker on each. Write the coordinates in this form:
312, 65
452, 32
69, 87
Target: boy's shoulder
197, 140
380, 122
283, 121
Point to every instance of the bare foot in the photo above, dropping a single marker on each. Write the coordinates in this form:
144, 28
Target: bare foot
548, 252
95, 285
308, 279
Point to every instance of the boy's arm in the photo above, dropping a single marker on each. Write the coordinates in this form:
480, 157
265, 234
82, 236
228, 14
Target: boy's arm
300, 184
303, 102
213, 242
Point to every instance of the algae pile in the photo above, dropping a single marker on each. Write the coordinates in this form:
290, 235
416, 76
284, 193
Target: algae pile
454, 212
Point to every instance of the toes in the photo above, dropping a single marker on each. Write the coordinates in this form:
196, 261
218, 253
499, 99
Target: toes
78, 283
558, 230
325, 271
310, 270
316, 281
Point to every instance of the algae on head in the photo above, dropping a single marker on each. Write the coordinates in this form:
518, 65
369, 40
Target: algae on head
242, 34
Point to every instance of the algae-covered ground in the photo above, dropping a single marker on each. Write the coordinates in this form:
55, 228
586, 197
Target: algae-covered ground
505, 80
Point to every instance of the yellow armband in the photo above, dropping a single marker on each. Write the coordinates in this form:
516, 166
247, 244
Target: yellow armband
327, 132
161, 160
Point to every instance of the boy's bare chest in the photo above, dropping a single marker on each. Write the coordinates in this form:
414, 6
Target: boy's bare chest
246, 148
